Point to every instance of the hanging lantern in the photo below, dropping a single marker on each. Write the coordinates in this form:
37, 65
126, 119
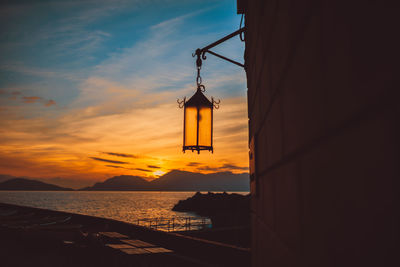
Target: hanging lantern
198, 110
198, 123
198, 119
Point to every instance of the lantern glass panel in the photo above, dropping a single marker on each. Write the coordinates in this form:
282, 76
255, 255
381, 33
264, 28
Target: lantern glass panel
190, 126
205, 126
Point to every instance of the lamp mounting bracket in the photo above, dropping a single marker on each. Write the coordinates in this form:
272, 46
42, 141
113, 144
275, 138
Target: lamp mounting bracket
201, 52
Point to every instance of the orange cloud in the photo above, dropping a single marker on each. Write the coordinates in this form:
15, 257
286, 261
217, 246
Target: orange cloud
120, 155
153, 167
35, 99
50, 102
31, 99
113, 166
109, 161
143, 170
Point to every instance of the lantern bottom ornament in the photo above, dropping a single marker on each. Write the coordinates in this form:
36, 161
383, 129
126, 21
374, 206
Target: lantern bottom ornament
198, 148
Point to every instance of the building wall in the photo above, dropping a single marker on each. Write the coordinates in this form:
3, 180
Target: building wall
323, 86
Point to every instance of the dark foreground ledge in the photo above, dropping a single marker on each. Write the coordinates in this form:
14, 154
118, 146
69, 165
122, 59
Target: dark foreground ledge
77, 244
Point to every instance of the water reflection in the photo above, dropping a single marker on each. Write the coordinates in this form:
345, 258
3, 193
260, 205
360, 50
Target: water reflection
124, 206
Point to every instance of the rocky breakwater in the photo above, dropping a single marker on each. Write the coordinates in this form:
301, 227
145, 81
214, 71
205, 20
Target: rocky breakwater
224, 210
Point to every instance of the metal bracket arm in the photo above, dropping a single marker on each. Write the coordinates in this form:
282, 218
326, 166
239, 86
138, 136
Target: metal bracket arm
225, 58
201, 52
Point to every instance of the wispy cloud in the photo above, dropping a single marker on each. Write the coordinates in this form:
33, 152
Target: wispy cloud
135, 169
142, 170
224, 167
36, 99
153, 166
208, 168
108, 160
234, 167
31, 99
22, 68
50, 102
170, 24
121, 155
113, 166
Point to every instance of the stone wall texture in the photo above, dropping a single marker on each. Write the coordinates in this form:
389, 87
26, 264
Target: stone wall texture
323, 104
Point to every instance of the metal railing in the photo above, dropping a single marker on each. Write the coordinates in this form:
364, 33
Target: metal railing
175, 223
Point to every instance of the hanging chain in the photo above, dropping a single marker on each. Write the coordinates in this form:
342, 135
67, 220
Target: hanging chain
198, 78
199, 81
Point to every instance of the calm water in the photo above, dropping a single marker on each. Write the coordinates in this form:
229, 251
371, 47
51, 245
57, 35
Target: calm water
123, 206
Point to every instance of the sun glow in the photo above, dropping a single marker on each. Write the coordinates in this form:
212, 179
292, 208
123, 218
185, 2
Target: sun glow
158, 173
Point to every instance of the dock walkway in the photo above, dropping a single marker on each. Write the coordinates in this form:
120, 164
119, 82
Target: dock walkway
39, 237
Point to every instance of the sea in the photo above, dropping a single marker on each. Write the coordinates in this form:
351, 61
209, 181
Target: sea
147, 208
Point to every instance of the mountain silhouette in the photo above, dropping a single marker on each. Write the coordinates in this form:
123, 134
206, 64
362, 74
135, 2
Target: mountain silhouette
30, 185
189, 181
122, 182
174, 180
5, 177
177, 180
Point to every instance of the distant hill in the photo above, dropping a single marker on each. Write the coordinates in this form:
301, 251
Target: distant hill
173, 181
189, 181
29, 185
5, 177
178, 181
123, 182
73, 183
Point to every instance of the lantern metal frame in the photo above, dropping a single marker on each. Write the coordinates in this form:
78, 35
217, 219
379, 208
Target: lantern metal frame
213, 104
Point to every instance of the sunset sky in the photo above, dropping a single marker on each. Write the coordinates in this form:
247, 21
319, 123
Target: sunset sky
88, 89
